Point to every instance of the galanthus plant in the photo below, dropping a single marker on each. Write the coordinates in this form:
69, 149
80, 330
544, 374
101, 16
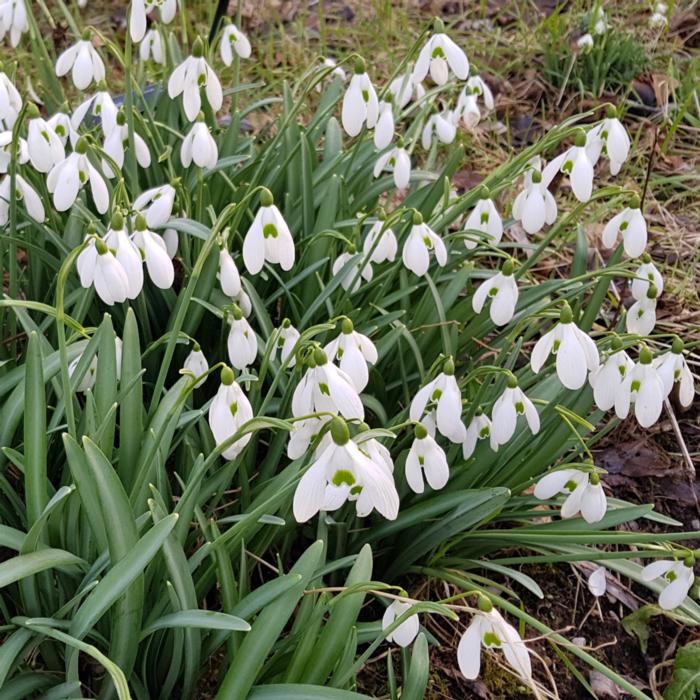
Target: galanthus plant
256, 381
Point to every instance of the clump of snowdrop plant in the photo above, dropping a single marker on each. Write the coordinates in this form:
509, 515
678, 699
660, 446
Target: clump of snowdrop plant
250, 375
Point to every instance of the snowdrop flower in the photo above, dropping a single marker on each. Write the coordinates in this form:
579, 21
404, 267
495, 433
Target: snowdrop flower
61, 125
644, 387
398, 162
23, 191
354, 352
228, 413
641, 316
44, 147
152, 47
606, 381
6, 146
646, 275
89, 378
478, 429
403, 90
97, 266
337, 70
353, 276
679, 577
100, 106
502, 291
672, 367
242, 342
229, 279
384, 131
443, 397
343, 472
597, 582
584, 493
439, 56
196, 363
156, 205
508, 406
426, 461
489, 629
407, 631
126, 254
268, 239
416, 250
576, 163
115, 143
233, 40
441, 125
585, 42
380, 244
10, 103
303, 433
85, 62
468, 102
141, 8
154, 253
598, 22
631, 224
360, 104
13, 20
287, 340
609, 136
659, 18
325, 388
576, 353
191, 75
199, 146
66, 179
484, 217
535, 206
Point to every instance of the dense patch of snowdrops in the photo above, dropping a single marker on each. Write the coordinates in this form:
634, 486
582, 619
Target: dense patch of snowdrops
75, 158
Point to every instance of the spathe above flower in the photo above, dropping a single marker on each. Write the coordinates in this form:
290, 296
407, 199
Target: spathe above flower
484, 217
508, 406
199, 146
489, 629
442, 397
644, 387
439, 56
341, 473
631, 224
576, 353
679, 577
83, 61
584, 493
502, 292
641, 316
268, 239
191, 75
233, 41
325, 388
673, 368
607, 380
420, 242
242, 343
360, 103
66, 179
535, 206
228, 412
426, 461
354, 352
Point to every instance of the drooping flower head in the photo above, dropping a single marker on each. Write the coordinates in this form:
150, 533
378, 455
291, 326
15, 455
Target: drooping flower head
418, 246
242, 342
583, 490
644, 388
607, 380
407, 631
501, 290
631, 224
360, 103
233, 41
228, 412
426, 461
508, 406
678, 576
439, 56
380, 244
354, 352
673, 369
83, 61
